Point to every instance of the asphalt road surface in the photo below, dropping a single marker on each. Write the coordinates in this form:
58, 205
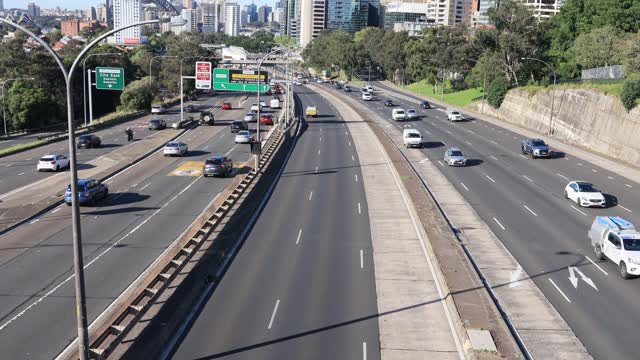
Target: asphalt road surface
302, 286
19, 169
149, 206
522, 202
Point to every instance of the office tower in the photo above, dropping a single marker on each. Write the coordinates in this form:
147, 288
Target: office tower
252, 11
312, 17
232, 19
208, 17
347, 15
187, 4
31, 9
109, 6
263, 13
91, 13
127, 12
1, 5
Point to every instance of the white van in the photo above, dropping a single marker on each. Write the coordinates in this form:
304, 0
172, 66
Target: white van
411, 138
275, 103
398, 114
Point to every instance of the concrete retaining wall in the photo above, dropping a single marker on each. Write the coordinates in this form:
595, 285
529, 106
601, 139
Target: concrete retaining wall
582, 117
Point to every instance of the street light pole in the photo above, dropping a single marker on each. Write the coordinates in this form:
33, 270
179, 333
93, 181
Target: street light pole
4, 113
84, 81
553, 92
78, 263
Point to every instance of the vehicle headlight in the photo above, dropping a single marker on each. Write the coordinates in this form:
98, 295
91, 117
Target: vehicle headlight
634, 261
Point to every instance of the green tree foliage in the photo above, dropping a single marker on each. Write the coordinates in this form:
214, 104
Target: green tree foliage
630, 92
629, 50
185, 45
597, 48
496, 91
29, 107
138, 95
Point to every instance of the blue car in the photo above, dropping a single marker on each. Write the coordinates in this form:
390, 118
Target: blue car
89, 191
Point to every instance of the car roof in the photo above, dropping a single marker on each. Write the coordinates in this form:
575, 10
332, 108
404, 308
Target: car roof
580, 182
52, 155
454, 149
155, 119
216, 157
83, 182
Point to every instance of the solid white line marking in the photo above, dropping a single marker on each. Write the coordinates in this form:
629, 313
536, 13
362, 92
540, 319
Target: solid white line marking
144, 187
34, 221
599, 268
627, 185
352, 158
562, 176
299, 235
318, 151
349, 143
443, 143
610, 177
493, 157
526, 177
531, 211
493, 142
356, 178
448, 132
361, 259
464, 186
20, 174
273, 315
489, 177
205, 148
468, 142
310, 195
498, 222
359, 209
578, 210
624, 208
594, 170
364, 351
28, 159
560, 291
320, 138
579, 164
115, 139
316, 169
228, 152
427, 132
56, 210
440, 162
522, 156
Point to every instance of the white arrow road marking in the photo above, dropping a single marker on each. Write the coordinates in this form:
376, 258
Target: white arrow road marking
515, 277
574, 279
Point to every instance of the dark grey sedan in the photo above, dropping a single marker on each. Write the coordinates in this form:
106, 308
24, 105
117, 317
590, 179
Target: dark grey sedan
217, 166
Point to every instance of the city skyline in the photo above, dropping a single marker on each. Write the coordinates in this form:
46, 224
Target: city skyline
83, 4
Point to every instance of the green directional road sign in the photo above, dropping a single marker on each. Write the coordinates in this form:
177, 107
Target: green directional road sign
239, 82
108, 78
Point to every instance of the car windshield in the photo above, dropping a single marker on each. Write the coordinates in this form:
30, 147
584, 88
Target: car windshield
586, 187
457, 153
411, 111
84, 137
631, 244
538, 143
455, 113
155, 121
413, 135
172, 144
214, 161
243, 133
400, 112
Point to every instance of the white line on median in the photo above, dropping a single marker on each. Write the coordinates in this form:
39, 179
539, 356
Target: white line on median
594, 170
627, 185
56, 210
20, 174
318, 151
34, 221
493, 157
364, 350
356, 177
599, 268
489, 177
526, 177
273, 315
468, 143
578, 210
352, 158
299, 235
144, 187
349, 143
361, 259
464, 186
427, 132
498, 222
620, 206
562, 176
579, 164
310, 195
610, 177
440, 162
531, 211
522, 156
229, 152
560, 291
493, 142
359, 209
205, 148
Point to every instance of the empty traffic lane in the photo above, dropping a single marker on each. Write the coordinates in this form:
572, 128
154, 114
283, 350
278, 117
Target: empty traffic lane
302, 285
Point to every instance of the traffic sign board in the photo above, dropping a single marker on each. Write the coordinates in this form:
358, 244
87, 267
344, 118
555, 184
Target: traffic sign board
108, 78
239, 80
203, 75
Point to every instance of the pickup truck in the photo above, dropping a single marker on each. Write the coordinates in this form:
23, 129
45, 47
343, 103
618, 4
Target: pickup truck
536, 148
616, 239
311, 111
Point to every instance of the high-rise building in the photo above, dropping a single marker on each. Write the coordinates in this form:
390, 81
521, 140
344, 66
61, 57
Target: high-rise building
91, 13
109, 5
542, 9
232, 19
312, 18
293, 19
187, 4
208, 16
347, 15
440, 12
191, 17
127, 12
252, 12
33, 10
263, 13
1, 5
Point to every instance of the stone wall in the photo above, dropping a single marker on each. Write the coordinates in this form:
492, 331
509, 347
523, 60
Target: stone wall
582, 117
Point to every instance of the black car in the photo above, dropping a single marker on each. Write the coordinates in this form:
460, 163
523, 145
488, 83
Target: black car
217, 166
347, 88
388, 103
338, 86
88, 141
425, 105
206, 118
191, 108
157, 124
239, 125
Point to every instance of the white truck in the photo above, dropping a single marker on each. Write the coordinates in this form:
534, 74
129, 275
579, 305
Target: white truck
411, 138
274, 103
616, 239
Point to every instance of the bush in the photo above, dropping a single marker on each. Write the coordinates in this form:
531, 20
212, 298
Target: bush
496, 91
136, 96
459, 84
630, 92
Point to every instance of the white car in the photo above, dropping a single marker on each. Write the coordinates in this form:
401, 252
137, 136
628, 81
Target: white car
398, 114
367, 97
412, 114
158, 109
263, 104
250, 117
369, 88
454, 115
254, 107
52, 162
244, 137
175, 148
584, 194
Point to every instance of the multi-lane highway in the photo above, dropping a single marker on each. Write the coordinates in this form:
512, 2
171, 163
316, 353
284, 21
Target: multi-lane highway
149, 206
522, 202
19, 169
300, 286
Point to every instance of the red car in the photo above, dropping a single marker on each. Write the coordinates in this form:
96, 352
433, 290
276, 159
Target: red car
226, 106
266, 119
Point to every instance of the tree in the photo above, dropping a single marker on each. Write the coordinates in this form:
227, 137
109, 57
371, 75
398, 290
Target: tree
29, 107
496, 91
138, 95
597, 48
629, 50
630, 92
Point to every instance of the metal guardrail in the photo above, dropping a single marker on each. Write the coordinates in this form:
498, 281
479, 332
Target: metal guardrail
112, 335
